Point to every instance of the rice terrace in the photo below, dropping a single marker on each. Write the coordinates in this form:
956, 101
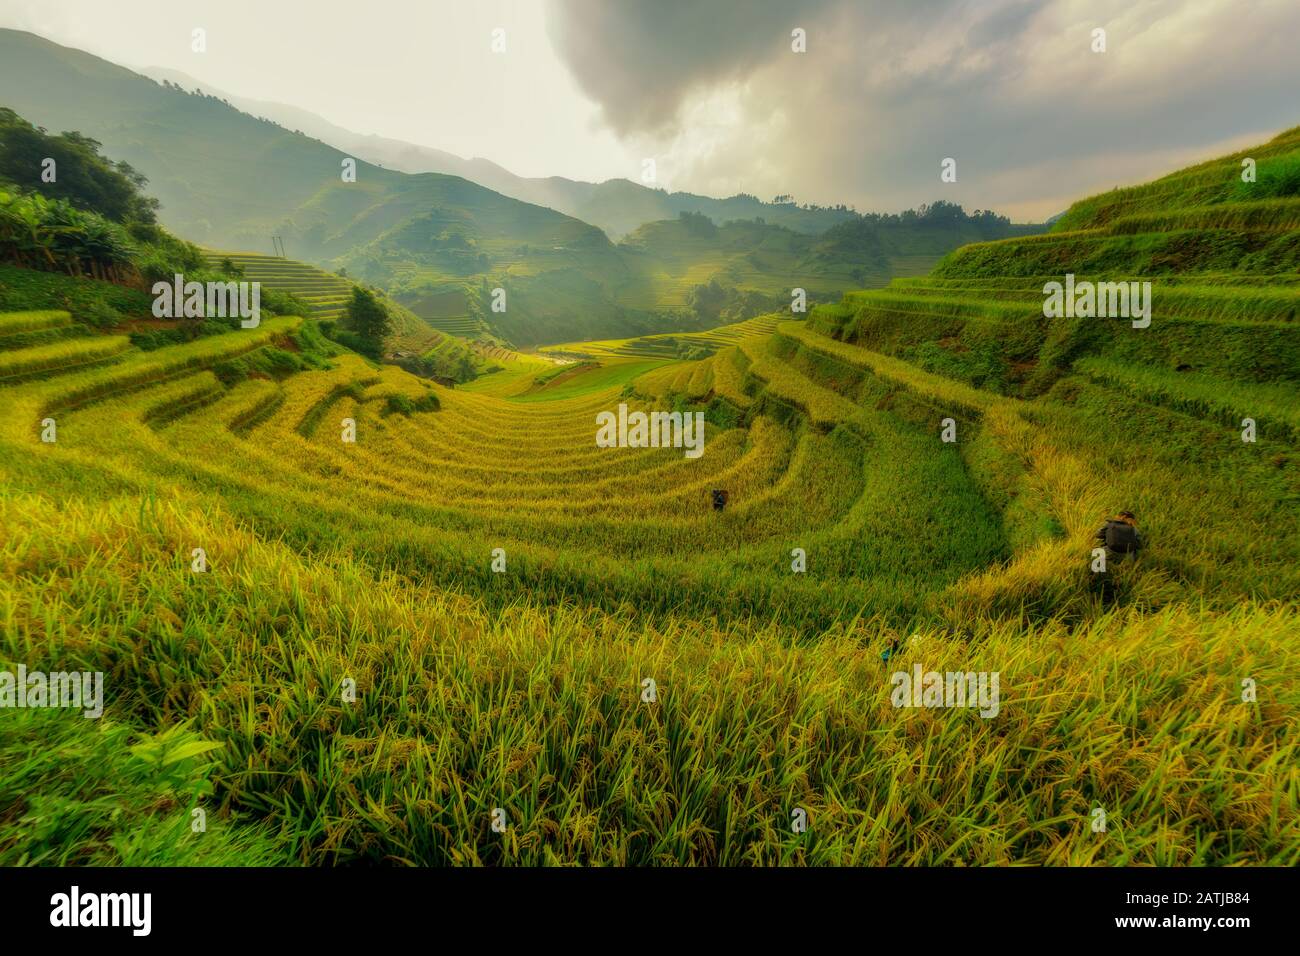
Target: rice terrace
522, 520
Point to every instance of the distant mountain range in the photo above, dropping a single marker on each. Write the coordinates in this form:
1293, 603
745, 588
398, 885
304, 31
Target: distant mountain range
442, 242
617, 206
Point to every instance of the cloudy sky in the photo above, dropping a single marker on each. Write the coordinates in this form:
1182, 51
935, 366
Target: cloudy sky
712, 90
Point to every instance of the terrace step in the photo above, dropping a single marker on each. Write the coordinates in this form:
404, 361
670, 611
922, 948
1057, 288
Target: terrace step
1224, 402
58, 358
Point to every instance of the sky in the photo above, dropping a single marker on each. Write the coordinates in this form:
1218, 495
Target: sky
714, 91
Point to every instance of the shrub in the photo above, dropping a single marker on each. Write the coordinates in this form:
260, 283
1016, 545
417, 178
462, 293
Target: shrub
100, 314
404, 405
368, 320
26, 289
279, 302
351, 340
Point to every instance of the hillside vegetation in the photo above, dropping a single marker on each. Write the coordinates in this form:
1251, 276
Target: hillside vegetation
498, 589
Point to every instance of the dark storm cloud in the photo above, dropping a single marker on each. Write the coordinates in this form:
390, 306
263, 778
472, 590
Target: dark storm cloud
639, 59
1010, 88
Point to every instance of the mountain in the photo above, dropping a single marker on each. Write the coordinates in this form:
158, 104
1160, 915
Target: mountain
230, 180
452, 249
618, 206
225, 177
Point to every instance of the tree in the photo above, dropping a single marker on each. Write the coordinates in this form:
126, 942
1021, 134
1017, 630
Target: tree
707, 300
697, 224
81, 177
369, 320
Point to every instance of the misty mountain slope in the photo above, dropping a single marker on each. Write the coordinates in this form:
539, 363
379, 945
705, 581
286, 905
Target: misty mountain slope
222, 176
618, 206
225, 177
687, 259
442, 244
230, 180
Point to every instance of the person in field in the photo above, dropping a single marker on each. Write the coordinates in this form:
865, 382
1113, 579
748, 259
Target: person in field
1121, 539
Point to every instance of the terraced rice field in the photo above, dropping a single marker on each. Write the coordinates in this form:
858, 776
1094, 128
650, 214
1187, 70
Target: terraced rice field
492, 351
464, 326
834, 452
327, 293
499, 588
668, 345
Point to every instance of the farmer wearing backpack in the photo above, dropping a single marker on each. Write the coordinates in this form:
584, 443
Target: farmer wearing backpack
1121, 540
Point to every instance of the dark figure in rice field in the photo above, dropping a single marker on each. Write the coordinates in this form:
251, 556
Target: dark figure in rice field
1121, 540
